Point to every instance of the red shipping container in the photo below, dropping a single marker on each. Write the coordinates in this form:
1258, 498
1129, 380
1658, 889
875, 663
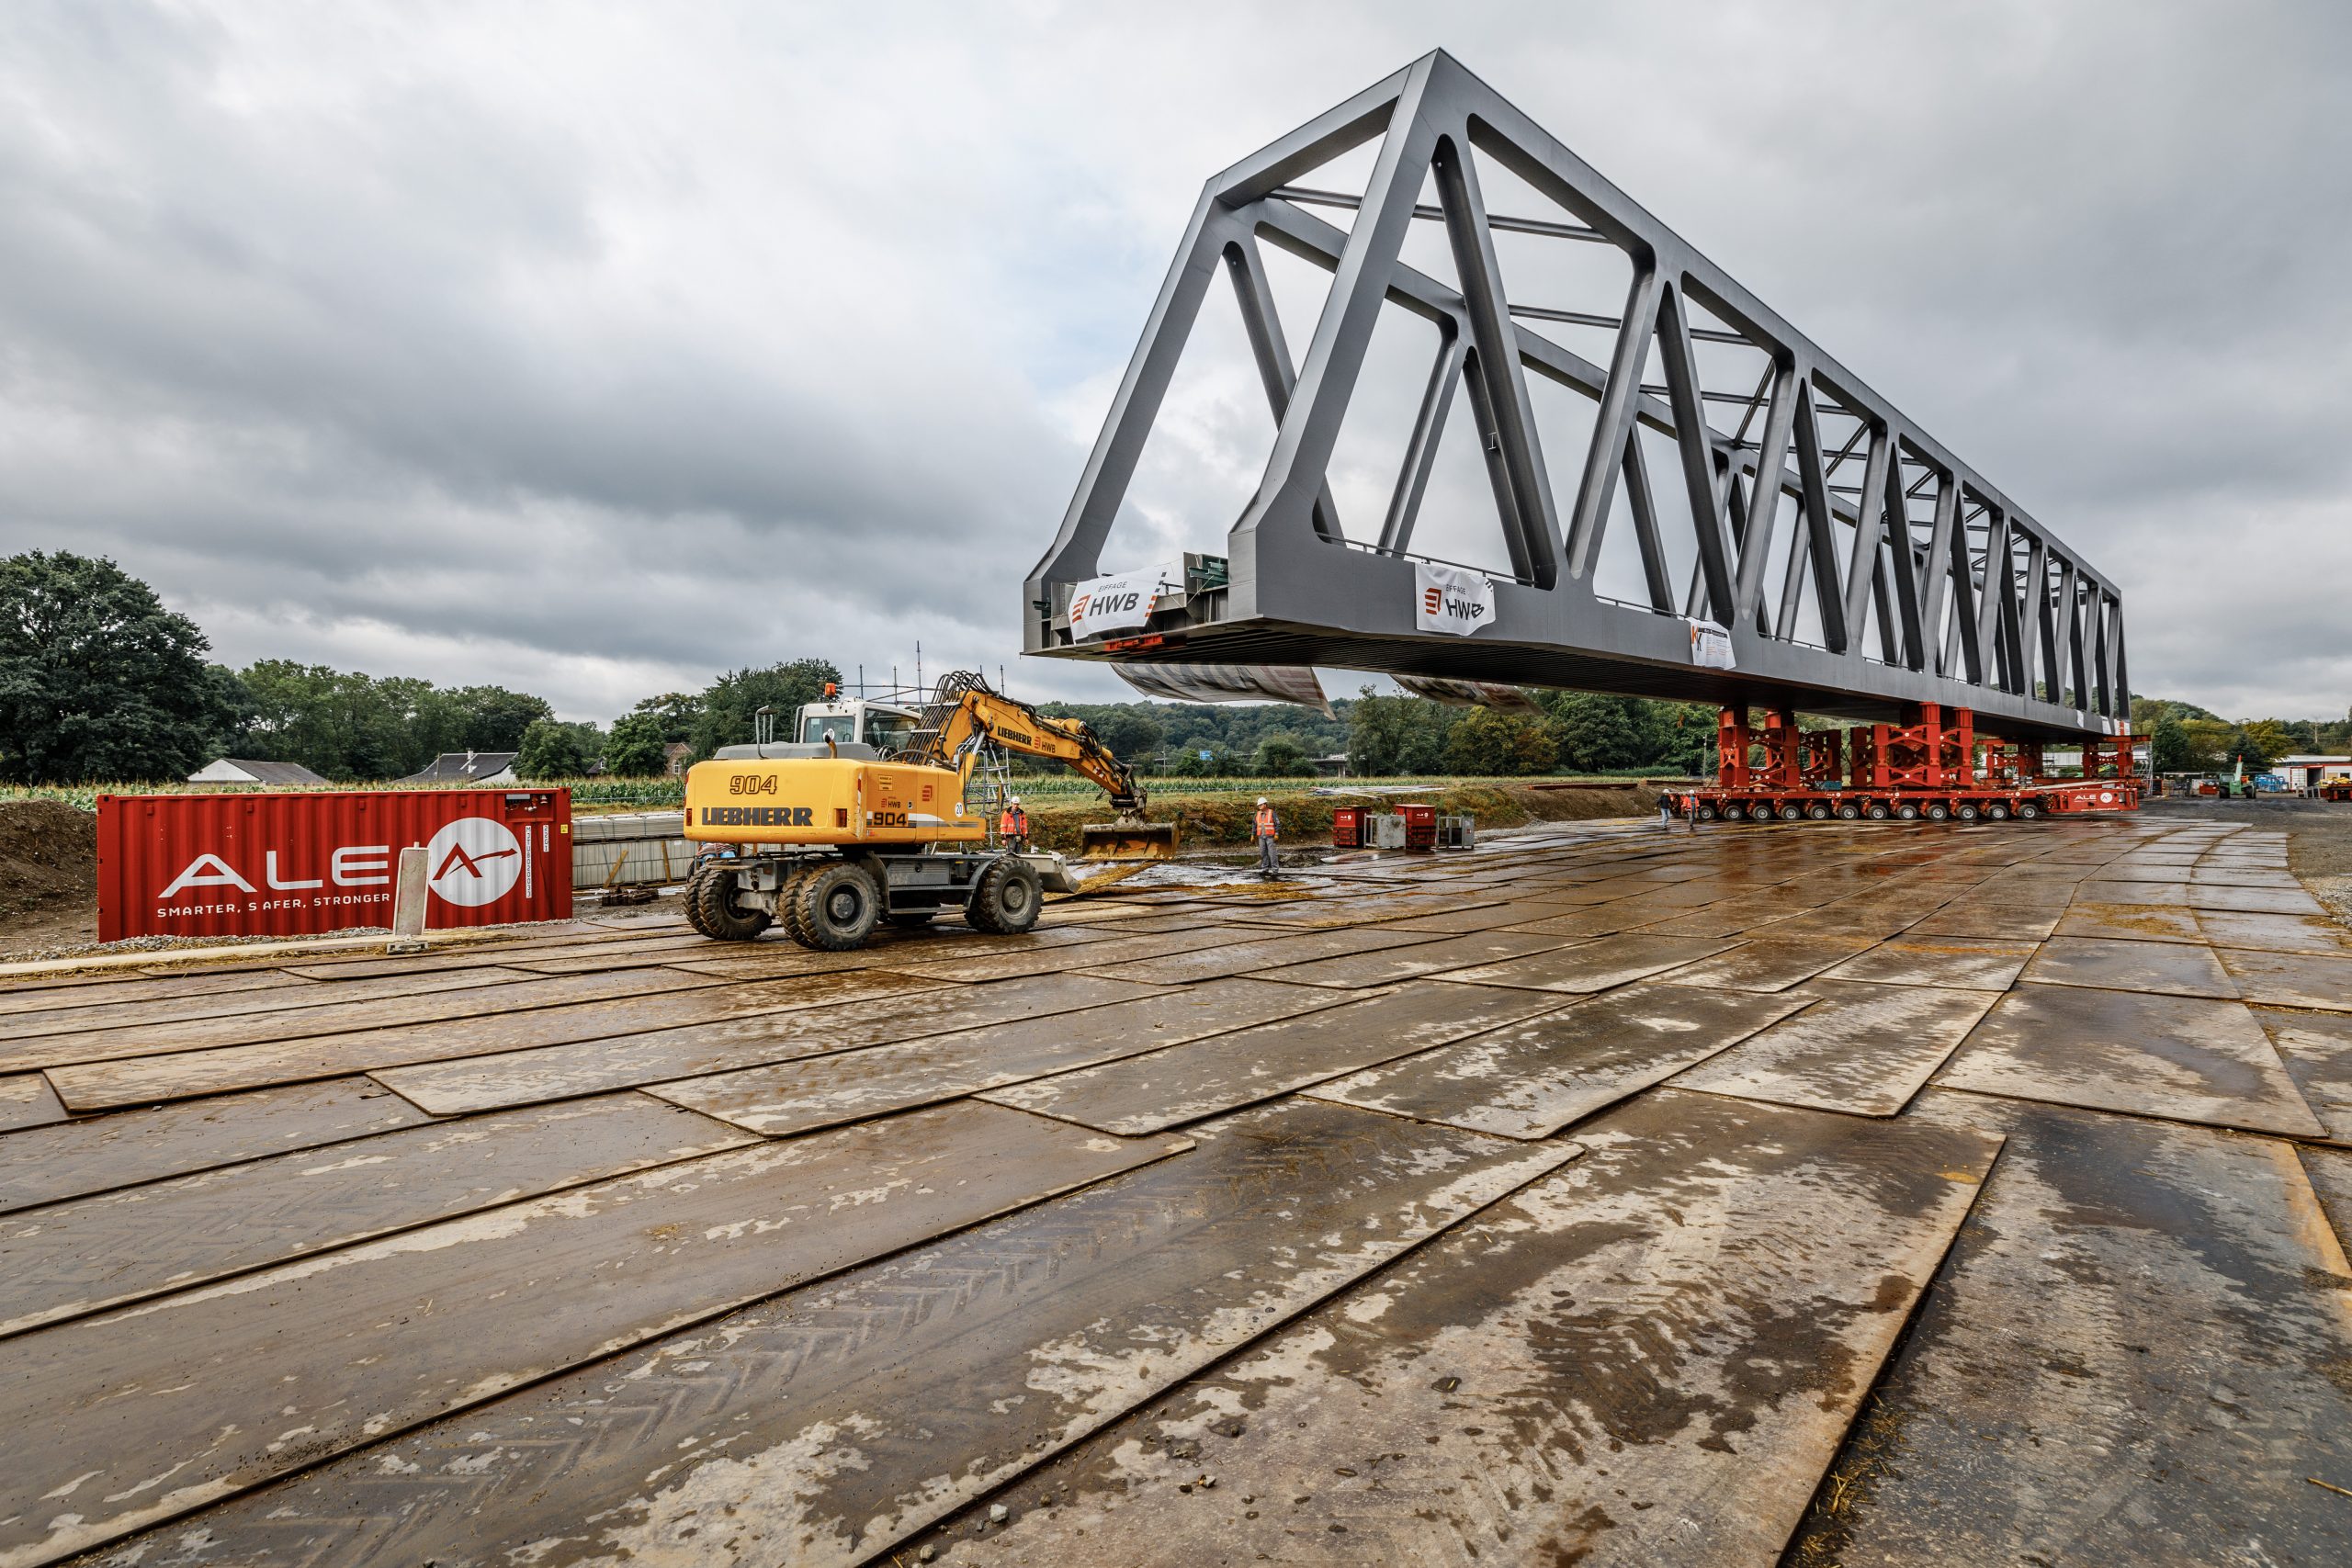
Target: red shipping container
270, 864
1346, 831
1420, 826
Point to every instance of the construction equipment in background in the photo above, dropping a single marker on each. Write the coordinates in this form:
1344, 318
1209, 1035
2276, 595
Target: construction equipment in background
2336, 789
829, 837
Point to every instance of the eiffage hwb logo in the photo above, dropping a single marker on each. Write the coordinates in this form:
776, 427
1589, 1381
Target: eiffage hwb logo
473, 861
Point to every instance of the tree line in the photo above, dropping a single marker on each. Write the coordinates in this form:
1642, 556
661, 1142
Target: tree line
1388, 736
100, 682
2186, 739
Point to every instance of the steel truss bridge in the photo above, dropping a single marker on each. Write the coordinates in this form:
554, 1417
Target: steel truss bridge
1906, 577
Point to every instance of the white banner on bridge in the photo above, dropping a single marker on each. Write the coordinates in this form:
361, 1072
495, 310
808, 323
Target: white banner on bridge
1229, 684
1710, 646
1451, 599
1121, 601
1470, 693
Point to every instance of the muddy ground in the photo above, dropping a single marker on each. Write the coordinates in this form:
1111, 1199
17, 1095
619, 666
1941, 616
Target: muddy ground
49, 876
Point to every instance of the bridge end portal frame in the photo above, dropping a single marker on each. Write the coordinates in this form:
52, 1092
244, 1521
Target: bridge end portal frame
1902, 576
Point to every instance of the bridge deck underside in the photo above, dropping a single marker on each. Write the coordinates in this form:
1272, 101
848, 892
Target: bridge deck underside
1267, 642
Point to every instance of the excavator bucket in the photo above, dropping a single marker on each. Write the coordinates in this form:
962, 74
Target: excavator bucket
1135, 840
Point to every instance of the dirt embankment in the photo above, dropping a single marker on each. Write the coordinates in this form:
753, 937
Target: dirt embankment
1203, 821
49, 876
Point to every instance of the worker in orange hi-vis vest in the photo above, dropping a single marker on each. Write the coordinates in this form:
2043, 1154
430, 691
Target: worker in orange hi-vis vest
1265, 834
1013, 827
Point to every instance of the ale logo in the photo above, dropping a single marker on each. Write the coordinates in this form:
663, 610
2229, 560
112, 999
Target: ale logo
473, 861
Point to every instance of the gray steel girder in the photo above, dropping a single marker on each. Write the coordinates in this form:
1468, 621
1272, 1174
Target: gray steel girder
1976, 605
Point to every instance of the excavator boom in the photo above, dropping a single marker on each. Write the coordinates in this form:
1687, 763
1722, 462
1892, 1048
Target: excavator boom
965, 715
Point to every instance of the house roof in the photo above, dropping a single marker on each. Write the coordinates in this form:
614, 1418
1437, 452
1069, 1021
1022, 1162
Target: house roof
462, 767
258, 771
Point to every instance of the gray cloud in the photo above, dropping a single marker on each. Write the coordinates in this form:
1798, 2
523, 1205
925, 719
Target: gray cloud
596, 350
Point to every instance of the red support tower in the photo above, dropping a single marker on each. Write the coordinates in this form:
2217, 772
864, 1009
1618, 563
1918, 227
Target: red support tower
1862, 756
2110, 757
1825, 758
1783, 751
1910, 756
1731, 750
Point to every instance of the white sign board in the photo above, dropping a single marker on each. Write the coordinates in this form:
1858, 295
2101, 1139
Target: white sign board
1116, 603
1710, 646
1451, 599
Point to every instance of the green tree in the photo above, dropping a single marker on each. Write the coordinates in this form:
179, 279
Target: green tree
730, 705
636, 748
2259, 742
674, 712
552, 749
1398, 735
1488, 742
1129, 735
2168, 745
98, 681
1282, 757
495, 719
2209, 741
1598, 733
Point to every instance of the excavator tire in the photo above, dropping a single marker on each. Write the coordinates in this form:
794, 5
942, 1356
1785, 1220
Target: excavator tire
787, 904
834, 908
722, 918
692, 900
1006, 898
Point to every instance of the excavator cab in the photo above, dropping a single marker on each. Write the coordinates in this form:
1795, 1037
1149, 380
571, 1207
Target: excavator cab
885, 727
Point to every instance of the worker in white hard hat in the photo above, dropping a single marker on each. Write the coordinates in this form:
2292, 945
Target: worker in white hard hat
1264, 829
1014, 825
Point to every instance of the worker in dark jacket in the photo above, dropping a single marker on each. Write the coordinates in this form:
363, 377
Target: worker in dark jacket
1013, 827
1265, 831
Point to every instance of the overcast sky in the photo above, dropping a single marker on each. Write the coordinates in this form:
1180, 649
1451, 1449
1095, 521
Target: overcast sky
595, 349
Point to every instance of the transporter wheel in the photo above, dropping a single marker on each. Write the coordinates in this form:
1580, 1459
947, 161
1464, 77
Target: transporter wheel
2028, 810
1966, 811
1996, 812
834, 908
1006, 898
1734, 811
723, 916
1708, 814
1762, 812
1907, 811
1818, 811
1937, 812
1848, 811
1792, 812
1877, 811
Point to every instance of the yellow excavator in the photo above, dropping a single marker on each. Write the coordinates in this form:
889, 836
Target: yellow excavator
829, 837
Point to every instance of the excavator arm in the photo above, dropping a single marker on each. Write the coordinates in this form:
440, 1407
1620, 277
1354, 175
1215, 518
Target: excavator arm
1015, 726
965, 715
